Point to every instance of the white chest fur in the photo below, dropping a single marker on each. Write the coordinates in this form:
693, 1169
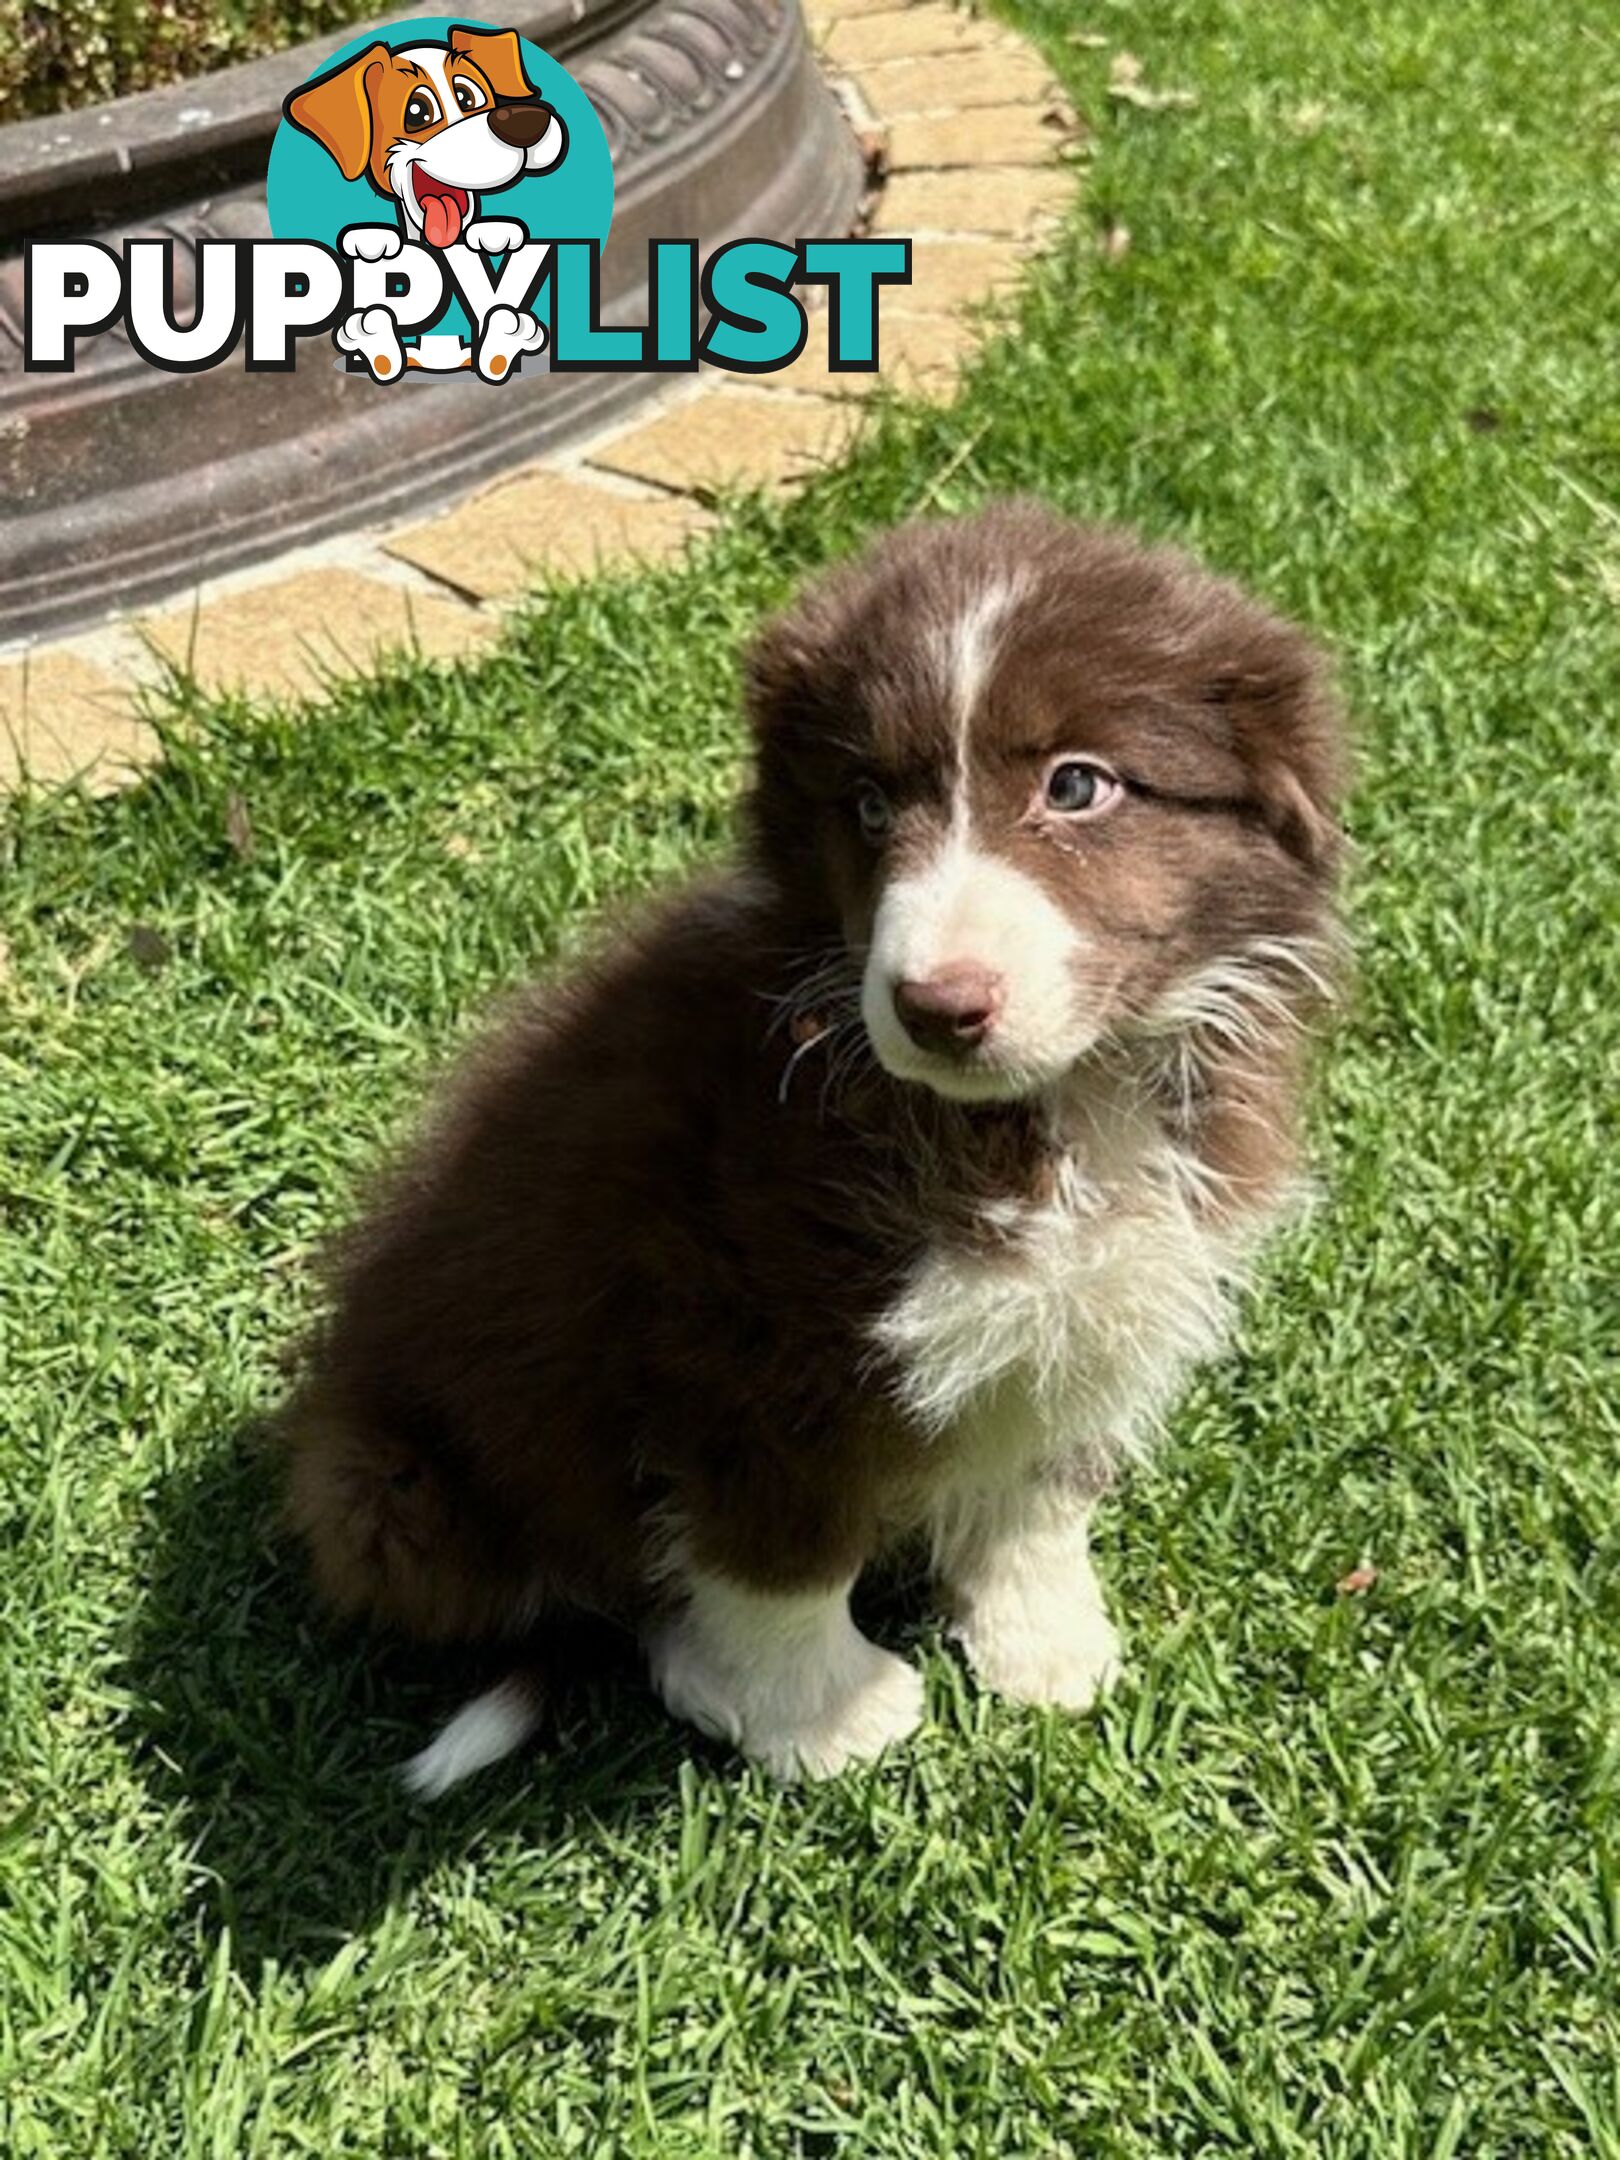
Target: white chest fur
1069, 1334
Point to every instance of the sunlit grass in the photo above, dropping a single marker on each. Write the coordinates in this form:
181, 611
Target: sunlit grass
1333, 1874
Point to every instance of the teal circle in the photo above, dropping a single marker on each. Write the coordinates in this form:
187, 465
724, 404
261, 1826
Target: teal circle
309, 199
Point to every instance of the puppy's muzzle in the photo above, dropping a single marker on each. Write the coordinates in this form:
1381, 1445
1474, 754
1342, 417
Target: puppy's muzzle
520, 127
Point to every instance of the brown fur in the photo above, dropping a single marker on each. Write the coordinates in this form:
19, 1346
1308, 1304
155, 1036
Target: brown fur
624, 1287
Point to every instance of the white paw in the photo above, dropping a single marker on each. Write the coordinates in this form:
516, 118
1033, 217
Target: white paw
371, 243
809, 1719
1069, 1658
884, 1705
503, 337
373, 334
495, 235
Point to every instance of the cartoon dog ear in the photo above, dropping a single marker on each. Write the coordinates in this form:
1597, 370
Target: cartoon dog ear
336, 110
498, 54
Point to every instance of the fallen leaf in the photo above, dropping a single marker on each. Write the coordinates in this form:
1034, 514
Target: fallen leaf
147, 947
1126, 87
874, 148
1359, 1579
239, 827
1146, 100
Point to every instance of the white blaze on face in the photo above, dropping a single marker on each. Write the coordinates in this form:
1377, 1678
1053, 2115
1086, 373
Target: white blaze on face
964, 660
968, 906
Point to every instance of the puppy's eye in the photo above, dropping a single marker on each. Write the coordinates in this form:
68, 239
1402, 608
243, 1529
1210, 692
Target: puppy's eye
874, 810
1075, 787
468, 95
421, 110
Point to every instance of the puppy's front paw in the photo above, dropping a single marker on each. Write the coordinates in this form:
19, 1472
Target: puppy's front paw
884, 1704
371, 243
836, 1703
495, 235
1069, 1657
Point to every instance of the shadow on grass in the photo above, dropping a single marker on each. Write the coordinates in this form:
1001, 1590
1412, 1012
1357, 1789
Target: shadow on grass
280, 1735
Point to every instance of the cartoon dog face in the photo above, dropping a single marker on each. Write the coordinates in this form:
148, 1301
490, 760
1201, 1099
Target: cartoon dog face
432, 125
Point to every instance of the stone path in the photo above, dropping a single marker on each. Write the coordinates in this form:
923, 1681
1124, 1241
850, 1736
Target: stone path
971, 126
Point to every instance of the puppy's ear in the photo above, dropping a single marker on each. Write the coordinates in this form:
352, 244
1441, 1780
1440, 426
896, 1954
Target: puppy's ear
1288, 727
800, 702
800, 690
778, 673
498, 55
337, 110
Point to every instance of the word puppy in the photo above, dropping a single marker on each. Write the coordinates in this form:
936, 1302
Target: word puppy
881, 1191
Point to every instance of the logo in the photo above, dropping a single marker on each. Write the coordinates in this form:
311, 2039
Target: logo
439, 201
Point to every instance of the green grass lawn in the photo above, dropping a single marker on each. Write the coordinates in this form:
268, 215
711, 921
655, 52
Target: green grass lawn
1332, 1875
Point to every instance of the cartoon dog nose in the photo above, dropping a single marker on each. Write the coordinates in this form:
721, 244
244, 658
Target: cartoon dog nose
950, 1011
520, 127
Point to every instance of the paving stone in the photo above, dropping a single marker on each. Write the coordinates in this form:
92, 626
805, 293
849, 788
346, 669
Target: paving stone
968, 112
995, 199
952, 82
982, 135
61, 718
919, 354
950, 274
290, 637
493, 545
913, 33
818, 13
733, 437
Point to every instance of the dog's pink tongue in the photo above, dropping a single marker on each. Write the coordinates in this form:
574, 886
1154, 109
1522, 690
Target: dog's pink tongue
441, 220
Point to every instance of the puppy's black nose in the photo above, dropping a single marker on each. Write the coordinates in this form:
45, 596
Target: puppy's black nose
520, 127
952, 1011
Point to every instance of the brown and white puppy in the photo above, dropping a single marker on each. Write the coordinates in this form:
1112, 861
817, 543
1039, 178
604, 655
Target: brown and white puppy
884, 1189
433, 128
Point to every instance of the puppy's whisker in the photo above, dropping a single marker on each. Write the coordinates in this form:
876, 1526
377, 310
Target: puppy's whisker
813, 1002
804, 1049
851, 1054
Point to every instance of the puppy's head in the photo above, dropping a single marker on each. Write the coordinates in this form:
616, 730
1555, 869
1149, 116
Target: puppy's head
1050, 788
432, 124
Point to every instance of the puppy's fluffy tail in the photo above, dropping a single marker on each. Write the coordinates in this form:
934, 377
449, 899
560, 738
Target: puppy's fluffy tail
482, 1732
391, 1531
